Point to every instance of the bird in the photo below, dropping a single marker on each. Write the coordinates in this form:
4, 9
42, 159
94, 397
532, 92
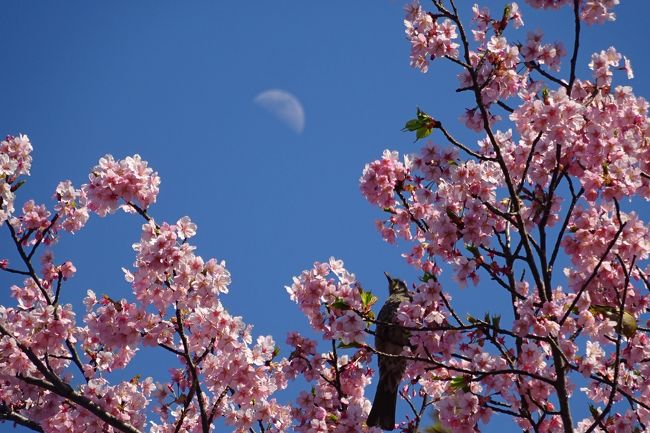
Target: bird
389, 339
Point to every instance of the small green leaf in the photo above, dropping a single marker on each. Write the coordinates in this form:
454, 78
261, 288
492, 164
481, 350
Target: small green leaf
460, 382
605, 166
437, 428
276, 351
340, 304
351, 345
506, 11
412, 125
423, 125
367, 298
422, 133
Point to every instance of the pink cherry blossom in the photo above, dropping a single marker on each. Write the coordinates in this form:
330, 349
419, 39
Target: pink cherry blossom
114, 184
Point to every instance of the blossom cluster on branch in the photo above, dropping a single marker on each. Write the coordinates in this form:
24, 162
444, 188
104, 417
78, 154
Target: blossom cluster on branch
561, 179
53, 368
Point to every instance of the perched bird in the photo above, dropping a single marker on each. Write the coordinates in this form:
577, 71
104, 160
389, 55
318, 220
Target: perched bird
389, 339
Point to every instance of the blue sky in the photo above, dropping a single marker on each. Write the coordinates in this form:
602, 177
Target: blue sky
175, 82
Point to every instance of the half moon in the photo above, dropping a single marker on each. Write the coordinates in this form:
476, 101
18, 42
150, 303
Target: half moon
284, 106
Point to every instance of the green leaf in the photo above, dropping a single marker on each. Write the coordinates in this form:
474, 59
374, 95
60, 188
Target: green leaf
460, 382
340, 304
412, 125
422, 133
423, 125
276, 351
352, 345
438, 428
506, 11
367, 298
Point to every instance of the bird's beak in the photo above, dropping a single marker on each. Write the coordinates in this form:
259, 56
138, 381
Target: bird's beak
388, 277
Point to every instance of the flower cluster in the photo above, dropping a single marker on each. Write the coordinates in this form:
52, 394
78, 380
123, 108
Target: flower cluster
168, 271
454, 212
543, 54
381, 177
331, 304
559, 182
608, 140
42, 329
15, 160
128, 180
591, 233
591, 11
429, 39
603, 61
238, 368
71, 207
126, 401
336, 403
41, 341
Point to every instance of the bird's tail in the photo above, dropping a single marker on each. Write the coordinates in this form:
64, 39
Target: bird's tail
382, 413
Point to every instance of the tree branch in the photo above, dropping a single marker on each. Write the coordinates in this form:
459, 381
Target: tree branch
6, 414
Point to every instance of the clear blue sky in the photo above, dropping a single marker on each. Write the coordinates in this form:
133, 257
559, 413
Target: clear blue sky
175, 82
